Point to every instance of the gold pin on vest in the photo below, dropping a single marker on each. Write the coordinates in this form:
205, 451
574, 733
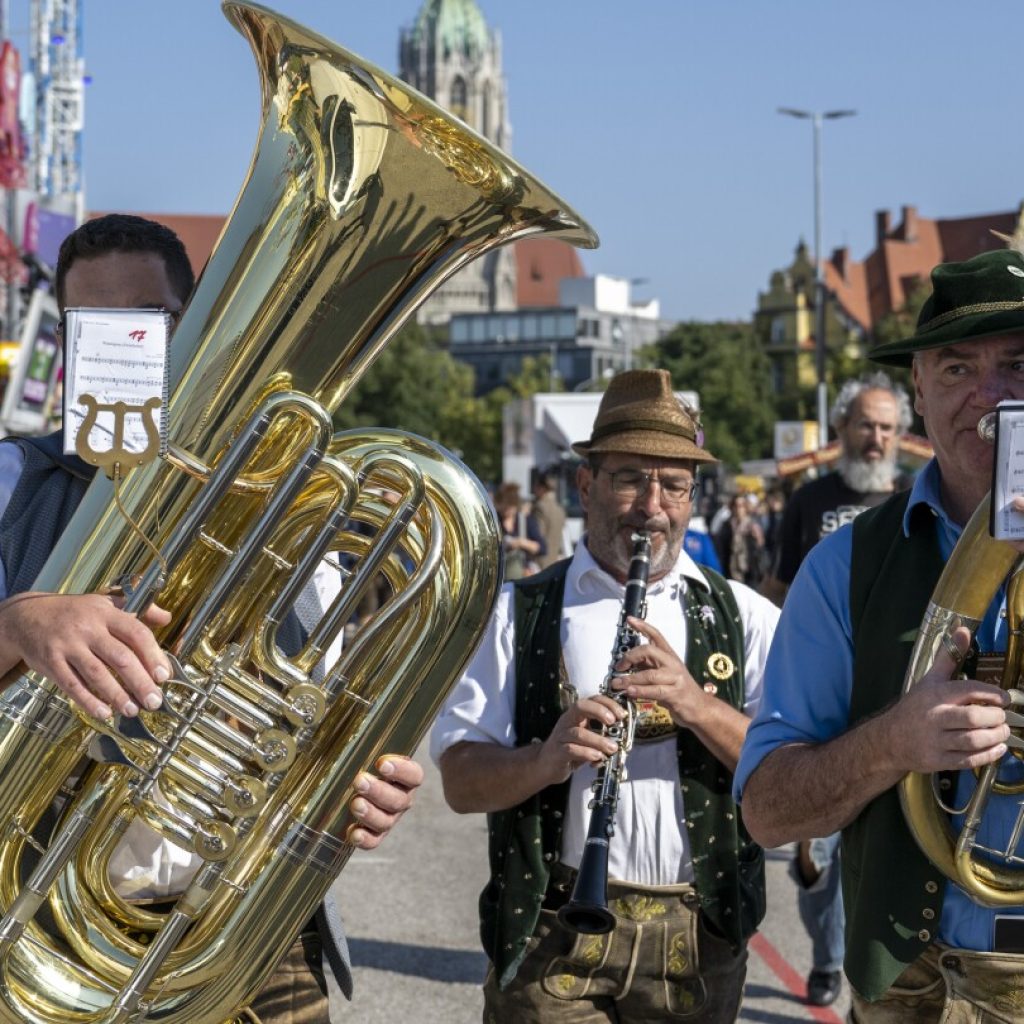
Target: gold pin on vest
720, 666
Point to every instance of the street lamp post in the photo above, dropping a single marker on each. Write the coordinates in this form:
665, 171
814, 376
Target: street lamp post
816, 118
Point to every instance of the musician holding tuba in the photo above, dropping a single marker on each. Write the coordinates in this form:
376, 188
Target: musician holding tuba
523, 734
104, 658
860, 708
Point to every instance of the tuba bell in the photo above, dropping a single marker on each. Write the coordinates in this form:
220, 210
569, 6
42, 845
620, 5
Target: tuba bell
362, 196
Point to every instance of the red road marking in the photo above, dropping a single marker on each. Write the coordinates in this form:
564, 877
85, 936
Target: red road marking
785, 972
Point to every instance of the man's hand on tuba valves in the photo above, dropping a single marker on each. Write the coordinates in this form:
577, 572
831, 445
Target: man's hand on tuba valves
100, 657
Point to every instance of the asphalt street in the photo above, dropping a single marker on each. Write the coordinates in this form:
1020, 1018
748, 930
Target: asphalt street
410, 914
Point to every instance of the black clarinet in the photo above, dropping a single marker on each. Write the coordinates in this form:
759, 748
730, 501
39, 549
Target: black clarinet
587, 909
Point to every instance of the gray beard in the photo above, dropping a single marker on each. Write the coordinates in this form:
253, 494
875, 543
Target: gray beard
615, 554
866, 476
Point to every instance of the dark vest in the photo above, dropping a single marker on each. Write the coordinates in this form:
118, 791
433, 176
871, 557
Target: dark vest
44, 499
891, 914
526, 840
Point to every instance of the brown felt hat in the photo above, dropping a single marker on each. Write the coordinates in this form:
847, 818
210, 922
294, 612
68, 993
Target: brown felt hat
640, 415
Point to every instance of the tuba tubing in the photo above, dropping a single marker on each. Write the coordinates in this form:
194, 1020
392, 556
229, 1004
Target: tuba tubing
361, 197
969, 581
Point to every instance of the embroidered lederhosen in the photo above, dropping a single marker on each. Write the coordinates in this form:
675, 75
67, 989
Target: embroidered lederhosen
525, 841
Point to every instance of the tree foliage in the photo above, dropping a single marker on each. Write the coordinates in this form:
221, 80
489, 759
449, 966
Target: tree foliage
410, 381
415, 385
726, 365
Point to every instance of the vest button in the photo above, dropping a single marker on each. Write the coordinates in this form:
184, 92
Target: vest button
931, 887
924, 935
928, 914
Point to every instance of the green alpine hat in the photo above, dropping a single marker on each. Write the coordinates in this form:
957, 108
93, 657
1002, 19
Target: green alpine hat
978, 298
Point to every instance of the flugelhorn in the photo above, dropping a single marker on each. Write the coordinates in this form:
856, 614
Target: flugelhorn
362, 196
970, 579
587, 909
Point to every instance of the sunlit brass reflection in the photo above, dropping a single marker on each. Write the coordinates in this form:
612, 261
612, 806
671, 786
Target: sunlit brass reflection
362, 196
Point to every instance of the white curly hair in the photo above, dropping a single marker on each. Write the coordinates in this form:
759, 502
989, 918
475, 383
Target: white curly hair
876, 381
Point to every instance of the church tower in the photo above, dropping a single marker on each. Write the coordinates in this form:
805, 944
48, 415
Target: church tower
451, 55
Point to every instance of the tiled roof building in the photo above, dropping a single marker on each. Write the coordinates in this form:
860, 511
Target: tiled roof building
904, 256
862, 293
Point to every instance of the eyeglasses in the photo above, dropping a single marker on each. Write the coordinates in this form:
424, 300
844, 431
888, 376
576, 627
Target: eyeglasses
631, 484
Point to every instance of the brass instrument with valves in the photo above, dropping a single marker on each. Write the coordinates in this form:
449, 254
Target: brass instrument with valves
978, 566
362, 196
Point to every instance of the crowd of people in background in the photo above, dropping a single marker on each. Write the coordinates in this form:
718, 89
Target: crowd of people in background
738, 534
738, 747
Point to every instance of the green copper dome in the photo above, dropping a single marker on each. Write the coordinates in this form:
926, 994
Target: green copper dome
458, 25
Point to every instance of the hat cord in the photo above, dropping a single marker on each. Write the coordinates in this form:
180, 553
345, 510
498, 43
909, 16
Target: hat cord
659, 426
962, 311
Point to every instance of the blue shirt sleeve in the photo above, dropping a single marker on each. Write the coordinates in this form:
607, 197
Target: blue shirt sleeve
812, 653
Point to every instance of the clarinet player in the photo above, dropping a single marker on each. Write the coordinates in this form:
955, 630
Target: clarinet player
524, 734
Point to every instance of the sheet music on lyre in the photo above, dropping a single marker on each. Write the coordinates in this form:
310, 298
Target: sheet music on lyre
115, 372
1008, 474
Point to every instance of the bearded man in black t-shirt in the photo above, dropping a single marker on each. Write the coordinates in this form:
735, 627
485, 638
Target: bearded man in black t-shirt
821, 506
869, 415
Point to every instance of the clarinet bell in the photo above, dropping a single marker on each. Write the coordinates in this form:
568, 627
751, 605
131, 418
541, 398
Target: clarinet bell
587, 910
586, 918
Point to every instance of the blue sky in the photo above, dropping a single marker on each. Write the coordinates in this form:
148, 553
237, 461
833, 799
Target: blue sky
656, 119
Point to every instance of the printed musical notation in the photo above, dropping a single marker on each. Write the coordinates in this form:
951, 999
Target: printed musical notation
115, 355
1006, 523
127, 364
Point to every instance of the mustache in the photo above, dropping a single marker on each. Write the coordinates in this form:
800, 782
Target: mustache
650, 525
880, 449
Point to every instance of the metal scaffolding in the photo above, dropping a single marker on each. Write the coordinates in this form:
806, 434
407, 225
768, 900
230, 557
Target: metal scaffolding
58, 67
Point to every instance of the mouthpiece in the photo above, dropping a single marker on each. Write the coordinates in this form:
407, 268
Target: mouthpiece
987, 427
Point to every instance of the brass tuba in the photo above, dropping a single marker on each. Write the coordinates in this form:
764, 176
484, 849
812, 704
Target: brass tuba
361, 197
969, 581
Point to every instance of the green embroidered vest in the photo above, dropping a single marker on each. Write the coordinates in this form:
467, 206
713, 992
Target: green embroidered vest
891, 915
526, 840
